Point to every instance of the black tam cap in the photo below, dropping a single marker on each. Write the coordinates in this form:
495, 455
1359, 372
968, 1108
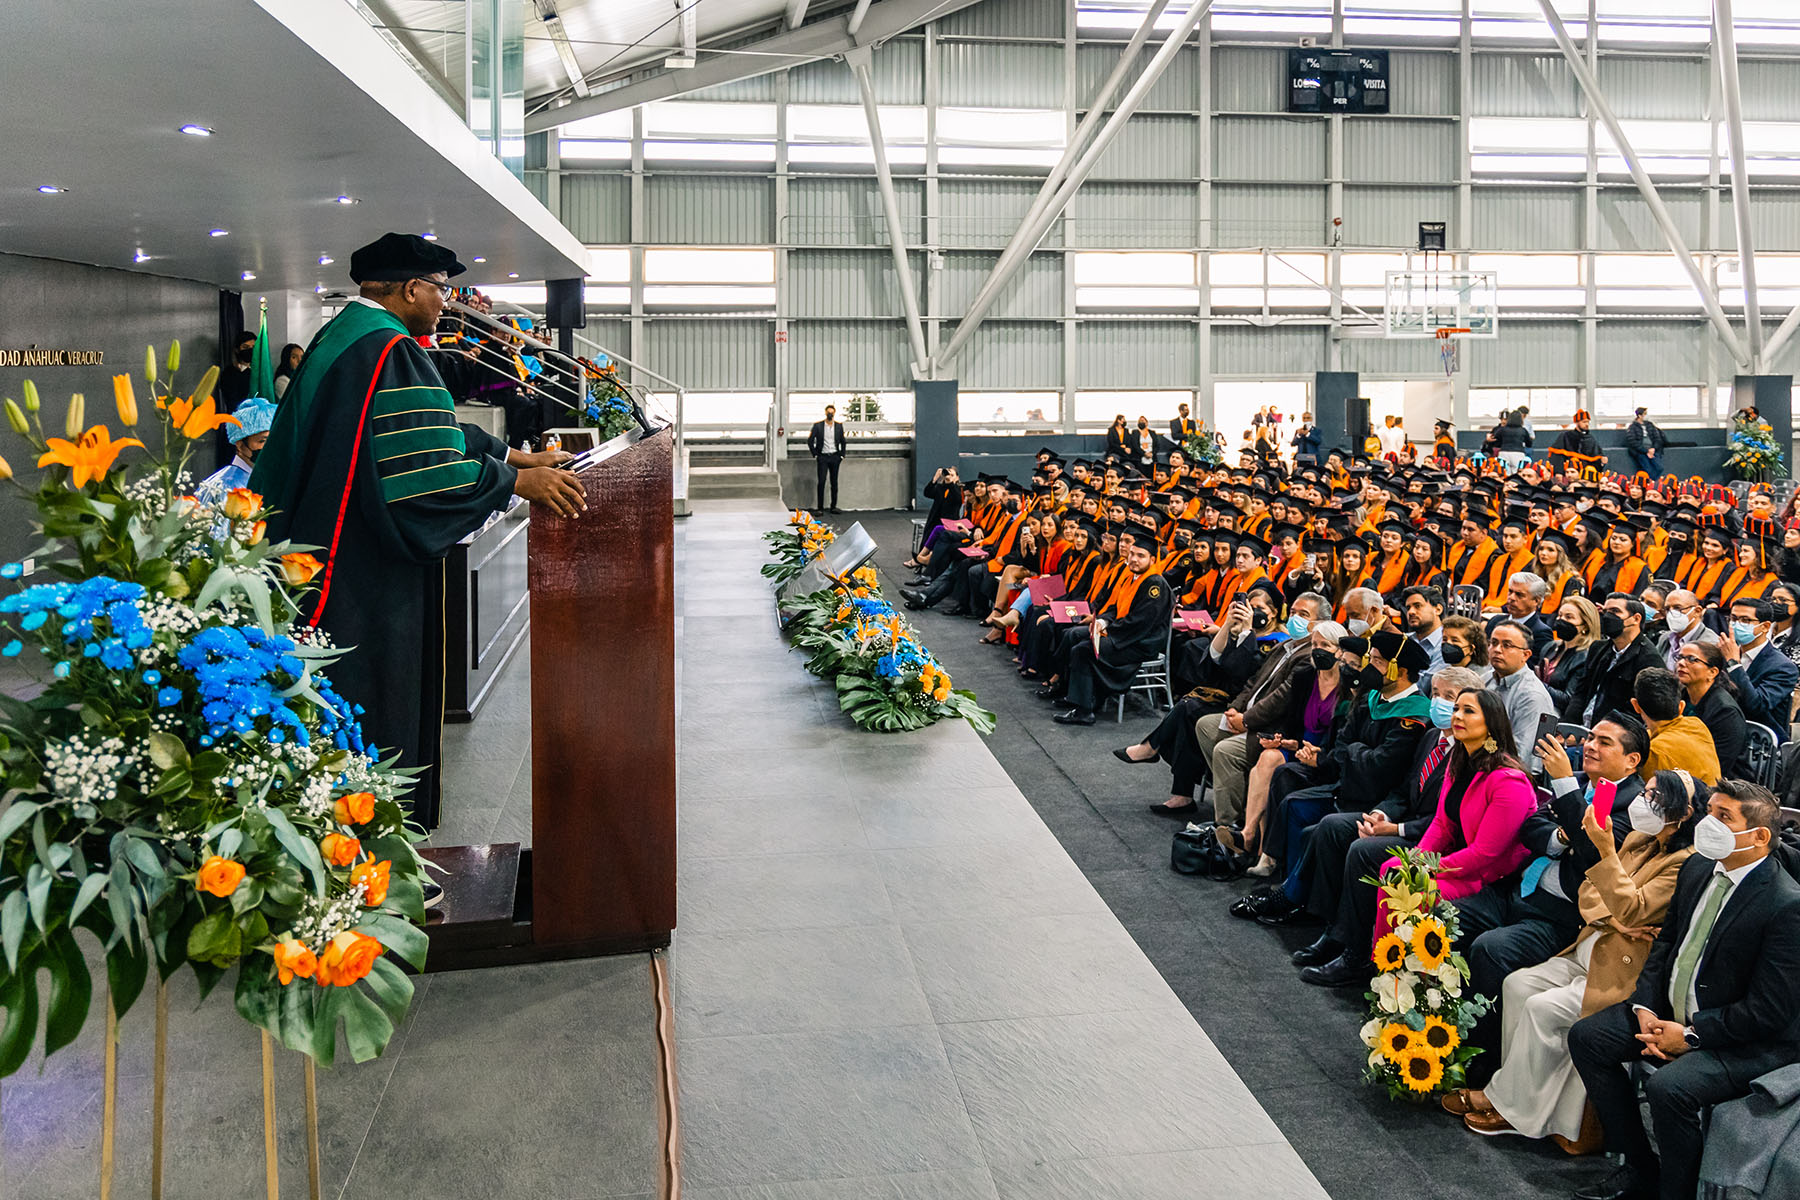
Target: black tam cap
1401, 649
402, 256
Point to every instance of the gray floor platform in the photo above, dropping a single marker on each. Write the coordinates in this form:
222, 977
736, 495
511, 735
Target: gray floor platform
890, 979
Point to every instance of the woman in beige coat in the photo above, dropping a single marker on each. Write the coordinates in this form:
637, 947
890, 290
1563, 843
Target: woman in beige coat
1623, 901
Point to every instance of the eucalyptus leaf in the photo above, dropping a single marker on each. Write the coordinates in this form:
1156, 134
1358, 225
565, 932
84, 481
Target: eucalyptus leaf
91, 888
37, 894
167, 751
12, 927
16, 814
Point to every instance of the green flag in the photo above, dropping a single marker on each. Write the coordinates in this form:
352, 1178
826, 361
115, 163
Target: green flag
262, 375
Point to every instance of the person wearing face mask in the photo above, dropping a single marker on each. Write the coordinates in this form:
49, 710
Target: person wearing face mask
1464, 644
1362, 758
255, 416
1682, 615
1521, 920
1573, 634
1348, 847
1288, 727
1764, 677
1143, 446
1709, 694
1613, 663
1784, 599
1623, 896
1716, 1005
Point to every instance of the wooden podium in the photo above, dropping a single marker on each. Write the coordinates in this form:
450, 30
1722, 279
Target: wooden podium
599, 877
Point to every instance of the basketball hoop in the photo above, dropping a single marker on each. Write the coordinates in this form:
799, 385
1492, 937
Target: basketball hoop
1449, 350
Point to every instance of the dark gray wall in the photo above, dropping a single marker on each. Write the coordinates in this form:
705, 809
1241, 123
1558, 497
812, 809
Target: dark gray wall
60, 305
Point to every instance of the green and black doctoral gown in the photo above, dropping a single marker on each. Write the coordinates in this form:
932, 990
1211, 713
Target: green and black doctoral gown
421, 483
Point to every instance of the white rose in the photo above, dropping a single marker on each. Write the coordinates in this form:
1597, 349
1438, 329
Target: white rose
1404, 931
1434, 999
1448, 975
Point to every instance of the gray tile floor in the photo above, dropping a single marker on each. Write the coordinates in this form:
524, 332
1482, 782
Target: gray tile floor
891, 983
890, 980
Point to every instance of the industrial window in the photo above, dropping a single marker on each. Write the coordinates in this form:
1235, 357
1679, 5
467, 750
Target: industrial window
1276, 17
1641, 281
839, 133
1009, 412
880, 408
1363, 278
1528, 146
1298, 281
1664, 403
709, 131
1547, 405
1523, 20
609, 276
744, 414
604, 137
1135, 280
1236, 280
1000, 137
1534, 282
1403, 18
705, 278
1094, 411
531, 295
1777, 281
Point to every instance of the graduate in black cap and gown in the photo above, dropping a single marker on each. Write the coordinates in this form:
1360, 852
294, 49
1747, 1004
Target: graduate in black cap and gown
366, 460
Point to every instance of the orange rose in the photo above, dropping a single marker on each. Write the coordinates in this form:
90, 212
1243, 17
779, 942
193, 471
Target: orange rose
340, 851
253, 534
241, 503
358, 808
293, 958
349, 957
220, 876
374, 878
299, 568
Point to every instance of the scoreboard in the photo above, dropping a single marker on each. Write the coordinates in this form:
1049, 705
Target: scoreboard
1337, 81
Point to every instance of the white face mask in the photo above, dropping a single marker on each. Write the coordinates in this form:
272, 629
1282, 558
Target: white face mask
1357, 627
1715, 839
1644, 817
1676, 619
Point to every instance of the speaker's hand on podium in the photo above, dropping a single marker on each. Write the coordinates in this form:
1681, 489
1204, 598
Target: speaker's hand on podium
540, 458
553, 488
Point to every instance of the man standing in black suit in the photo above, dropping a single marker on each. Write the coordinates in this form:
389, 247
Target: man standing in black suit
1182, 428
826, 441
1717, 1005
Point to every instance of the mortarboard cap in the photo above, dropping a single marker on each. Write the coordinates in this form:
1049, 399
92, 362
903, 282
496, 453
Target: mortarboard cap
394, 256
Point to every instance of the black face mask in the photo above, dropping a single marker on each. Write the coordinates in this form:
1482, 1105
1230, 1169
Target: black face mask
1783, 611
1611, 624
1565, 631
1453, 654
1371, 678
1260, 619
1323, 659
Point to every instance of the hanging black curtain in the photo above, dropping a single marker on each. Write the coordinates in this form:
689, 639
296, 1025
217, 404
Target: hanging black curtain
232, 382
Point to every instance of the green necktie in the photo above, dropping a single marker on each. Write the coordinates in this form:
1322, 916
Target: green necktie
1688, 961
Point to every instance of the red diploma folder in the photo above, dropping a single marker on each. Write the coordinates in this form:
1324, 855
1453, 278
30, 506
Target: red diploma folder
1046, 588
973, 552
1194, 619
1065, 611
958, 525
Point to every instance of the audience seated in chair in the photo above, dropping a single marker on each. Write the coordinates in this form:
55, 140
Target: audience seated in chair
1614, 661
1709, 695
1763, 676
1564, 664
1677, 742
1716, 1005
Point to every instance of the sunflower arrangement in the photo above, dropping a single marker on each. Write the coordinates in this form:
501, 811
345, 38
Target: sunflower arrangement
886, 679
1419, 1012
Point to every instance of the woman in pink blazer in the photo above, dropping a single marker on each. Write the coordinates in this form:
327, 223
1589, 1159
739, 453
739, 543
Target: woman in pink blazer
1486, 798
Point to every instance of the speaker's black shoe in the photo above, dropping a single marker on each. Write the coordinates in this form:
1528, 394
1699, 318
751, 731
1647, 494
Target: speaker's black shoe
1626, 1183
1186, 810
1342, 971
1318, 953
1279, 910
1075, 716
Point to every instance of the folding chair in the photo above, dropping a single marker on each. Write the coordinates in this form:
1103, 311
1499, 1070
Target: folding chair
1152, 677
1761, 757
1465, 600
918, 527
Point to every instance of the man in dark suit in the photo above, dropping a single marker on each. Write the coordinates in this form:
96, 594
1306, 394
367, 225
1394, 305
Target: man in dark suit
1613, 662
1182, 428
1522, 921
1525, 592
826, 442
1346, 847
1717, 1005
1765, 677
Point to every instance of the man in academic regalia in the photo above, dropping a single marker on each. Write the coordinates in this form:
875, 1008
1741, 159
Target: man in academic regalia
1133, 628
366, 461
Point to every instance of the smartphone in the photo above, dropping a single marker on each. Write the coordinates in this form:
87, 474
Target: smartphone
1546, 727
1604, 790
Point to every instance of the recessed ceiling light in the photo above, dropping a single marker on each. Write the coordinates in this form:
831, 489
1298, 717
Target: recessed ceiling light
249, 275
139, 257
196, 131
430, 237
218, 233
346, 200
478, 258
325, 260
50, 189
512, 274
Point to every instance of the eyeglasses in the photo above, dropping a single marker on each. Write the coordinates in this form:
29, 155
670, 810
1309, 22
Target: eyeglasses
443, 289
1689, 658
